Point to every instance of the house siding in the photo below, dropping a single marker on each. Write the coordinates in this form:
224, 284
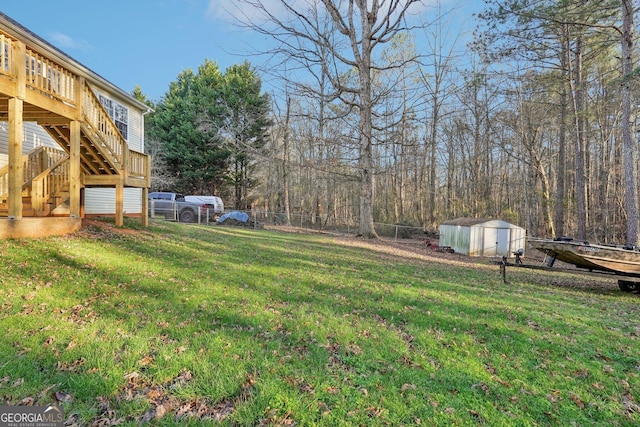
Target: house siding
33, 136
135, 136
97, 201
101, 201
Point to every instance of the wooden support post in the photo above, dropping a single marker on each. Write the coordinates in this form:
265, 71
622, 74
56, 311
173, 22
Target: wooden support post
18, 69
16, 107
75, 183
119, 205
503, 269
145, 207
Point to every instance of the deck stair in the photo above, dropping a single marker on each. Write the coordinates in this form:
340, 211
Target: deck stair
45, 184
39, 84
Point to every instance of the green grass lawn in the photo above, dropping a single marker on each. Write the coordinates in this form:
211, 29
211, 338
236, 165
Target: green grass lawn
196, 325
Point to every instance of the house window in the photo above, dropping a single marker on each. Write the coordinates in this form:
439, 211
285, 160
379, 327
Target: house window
118, 113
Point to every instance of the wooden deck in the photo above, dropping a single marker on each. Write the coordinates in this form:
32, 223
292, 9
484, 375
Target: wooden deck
36, 86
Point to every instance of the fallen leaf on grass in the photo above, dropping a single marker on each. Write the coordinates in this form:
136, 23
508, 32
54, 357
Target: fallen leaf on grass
483, 387
24, 351
146, 360
131, 376
577, 401
160, 411
73, 366
501, 381
406, 387
581, 373
479, 418
603, 357
63, 397
554, 396
27, 401
353, 350
182, 379
629, 404
373, 412
332, 390
46, 391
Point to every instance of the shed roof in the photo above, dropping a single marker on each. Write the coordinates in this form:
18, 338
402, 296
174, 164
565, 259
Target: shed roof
473, 222
466, 222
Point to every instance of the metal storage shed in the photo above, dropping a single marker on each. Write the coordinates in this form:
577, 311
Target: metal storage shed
482, 237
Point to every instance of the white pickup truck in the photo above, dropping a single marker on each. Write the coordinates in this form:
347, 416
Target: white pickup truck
214, 203
173, 206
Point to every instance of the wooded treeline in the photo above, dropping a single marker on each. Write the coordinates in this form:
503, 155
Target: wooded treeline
525, 124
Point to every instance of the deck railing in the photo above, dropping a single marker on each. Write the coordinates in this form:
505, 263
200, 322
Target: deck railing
33, 164
49, 184
106, 131
50, 78
5, 54
138, 164
58, 83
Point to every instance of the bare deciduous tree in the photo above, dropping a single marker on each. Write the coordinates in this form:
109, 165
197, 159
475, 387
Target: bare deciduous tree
357, 28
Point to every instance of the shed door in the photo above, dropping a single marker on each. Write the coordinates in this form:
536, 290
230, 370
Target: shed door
496, 241
504, 237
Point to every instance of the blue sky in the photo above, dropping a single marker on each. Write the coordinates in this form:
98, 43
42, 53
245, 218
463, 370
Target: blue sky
148, 42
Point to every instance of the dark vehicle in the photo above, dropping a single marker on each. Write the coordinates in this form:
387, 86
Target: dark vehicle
173, 206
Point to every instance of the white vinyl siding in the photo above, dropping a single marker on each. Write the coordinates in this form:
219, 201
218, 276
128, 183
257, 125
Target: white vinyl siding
136, 130
33, 136
102, 201
134, 117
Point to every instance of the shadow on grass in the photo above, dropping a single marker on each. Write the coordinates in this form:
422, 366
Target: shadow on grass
346, 315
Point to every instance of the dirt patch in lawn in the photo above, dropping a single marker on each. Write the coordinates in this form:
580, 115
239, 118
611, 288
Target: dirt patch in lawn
100, 228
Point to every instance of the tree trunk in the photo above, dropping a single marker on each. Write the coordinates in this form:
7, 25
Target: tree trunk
630, 184
285, 164
580, 142
367, 228
561, 166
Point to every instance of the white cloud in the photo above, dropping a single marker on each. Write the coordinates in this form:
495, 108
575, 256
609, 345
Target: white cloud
243, 11
66, 42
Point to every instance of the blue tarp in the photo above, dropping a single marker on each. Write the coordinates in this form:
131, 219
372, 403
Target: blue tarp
238, 216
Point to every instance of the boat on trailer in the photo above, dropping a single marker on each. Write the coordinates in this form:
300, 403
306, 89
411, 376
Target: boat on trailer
616, 259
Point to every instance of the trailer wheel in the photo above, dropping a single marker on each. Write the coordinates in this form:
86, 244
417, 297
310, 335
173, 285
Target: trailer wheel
627, 286
187, 216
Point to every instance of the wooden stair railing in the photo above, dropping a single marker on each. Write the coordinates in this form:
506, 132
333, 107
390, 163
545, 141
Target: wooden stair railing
101, 130
33, 164
47, 188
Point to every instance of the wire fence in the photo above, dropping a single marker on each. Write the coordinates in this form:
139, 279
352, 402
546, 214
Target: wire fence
259, 218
